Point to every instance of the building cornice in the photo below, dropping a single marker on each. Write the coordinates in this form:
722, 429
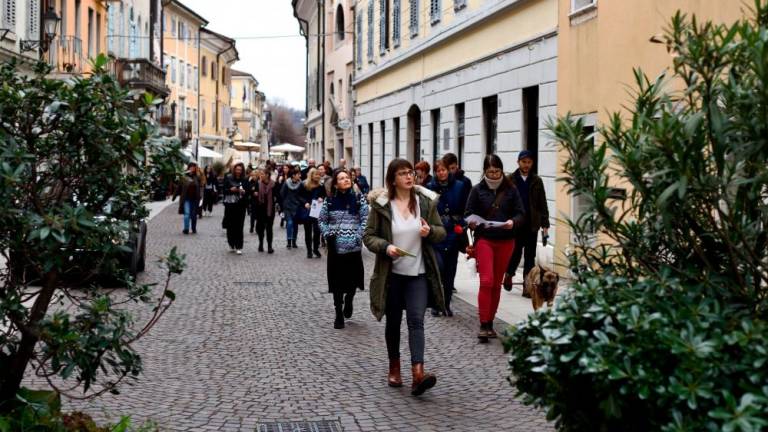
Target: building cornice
475, 18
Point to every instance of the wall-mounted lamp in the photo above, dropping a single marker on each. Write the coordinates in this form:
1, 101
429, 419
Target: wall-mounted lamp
50, 26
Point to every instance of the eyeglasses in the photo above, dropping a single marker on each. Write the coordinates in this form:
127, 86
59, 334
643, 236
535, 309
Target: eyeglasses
406, 174
494, 171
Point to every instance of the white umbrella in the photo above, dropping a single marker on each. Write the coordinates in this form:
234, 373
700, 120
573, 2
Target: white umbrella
287, 148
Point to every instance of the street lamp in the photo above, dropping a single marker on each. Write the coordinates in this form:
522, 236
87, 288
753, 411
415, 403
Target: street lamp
50, 25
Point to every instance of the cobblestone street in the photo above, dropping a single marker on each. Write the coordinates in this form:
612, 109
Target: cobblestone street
251, 339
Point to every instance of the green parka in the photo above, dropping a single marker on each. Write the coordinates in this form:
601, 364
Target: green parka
378, 235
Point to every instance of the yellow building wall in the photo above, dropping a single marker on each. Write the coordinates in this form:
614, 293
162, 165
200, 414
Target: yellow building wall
596, 59
208, 93
491, 36
68, 27
181, 50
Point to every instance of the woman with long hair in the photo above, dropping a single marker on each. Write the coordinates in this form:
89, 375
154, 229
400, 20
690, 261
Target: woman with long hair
290, 195
313, 191
209, 194
450, 206
236, 201
494, 199
283, 175
402, 228
253, 196
342, 222
265, 210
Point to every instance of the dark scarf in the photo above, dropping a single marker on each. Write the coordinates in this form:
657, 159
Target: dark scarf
265, 195
344, 201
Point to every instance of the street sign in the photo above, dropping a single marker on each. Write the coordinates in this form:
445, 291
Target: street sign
344, 124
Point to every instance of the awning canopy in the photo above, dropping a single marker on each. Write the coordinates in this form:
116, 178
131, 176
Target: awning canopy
205, 152
287, 148
245, 145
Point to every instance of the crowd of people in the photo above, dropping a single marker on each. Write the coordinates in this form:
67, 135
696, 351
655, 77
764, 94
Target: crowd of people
417, 226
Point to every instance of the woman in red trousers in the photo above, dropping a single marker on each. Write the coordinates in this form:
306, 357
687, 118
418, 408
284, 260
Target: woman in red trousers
494, 199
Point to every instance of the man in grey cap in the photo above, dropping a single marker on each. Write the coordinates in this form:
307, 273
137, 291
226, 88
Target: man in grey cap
534, 198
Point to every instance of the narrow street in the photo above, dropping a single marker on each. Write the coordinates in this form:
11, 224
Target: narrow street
250, 340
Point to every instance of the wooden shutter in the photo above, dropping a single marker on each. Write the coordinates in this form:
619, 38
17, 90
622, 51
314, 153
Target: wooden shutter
396, 23
9, 15
434, 11
360, 40
370, 31
382, 26
33, 23
414, 18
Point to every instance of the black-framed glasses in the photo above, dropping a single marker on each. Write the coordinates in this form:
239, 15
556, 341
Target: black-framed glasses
407, 174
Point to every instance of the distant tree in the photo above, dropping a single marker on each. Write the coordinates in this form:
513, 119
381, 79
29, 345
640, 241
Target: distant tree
286, 125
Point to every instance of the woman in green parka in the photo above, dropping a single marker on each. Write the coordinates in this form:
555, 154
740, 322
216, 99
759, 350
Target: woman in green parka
403, 224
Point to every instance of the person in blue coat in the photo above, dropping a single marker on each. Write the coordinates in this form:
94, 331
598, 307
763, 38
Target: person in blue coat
450, 206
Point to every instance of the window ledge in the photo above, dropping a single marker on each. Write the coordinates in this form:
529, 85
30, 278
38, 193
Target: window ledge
584, 14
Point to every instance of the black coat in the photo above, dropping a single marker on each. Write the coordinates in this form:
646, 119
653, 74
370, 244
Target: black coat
229, 182
482, 201
537, 198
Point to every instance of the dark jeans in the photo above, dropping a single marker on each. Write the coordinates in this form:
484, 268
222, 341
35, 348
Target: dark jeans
312, 234
190, 214
252, 210
525, 246
447, 260
409, 293
264, 223
208, 198
235, 220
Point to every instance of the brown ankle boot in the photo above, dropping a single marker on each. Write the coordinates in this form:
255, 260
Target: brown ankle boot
421, 381
394, 379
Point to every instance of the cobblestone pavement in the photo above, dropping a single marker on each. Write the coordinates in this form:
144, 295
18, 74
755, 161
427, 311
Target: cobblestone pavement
250, 339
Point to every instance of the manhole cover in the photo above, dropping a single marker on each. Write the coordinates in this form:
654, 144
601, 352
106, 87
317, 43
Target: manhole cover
301, 426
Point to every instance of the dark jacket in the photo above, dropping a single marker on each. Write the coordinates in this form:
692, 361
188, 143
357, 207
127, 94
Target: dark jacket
378, 235
460, 176
362, 183
290, 199
481, 202
450, 207
183, 190
235, 197
537, 197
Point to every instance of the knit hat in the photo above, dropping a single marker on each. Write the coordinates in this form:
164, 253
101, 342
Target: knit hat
525, 154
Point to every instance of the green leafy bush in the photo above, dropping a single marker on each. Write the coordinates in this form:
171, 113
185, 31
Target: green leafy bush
76, 160
664, 327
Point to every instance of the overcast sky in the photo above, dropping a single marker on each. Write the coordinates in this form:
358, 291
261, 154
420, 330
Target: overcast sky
278, 63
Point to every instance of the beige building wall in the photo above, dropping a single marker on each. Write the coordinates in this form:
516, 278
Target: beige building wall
598, 48
181, 46
82, 35
339, 43
217, 55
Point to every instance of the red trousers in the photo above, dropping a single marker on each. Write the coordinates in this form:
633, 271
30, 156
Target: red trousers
492, 259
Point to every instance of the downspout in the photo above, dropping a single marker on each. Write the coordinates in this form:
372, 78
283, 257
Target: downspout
218, 63
199, 108
321, 78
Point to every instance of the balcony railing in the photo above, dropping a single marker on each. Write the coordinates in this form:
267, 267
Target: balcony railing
65, 55
140, 74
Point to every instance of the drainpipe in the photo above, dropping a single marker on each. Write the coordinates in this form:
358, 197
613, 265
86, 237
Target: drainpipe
199, 108
321, 67
218, 63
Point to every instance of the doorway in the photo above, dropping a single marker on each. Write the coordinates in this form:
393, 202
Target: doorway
413, 150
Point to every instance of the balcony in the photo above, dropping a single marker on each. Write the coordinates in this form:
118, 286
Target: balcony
185, 132
140, 74
65, 55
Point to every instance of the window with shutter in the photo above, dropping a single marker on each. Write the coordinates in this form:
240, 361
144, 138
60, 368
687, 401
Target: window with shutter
9, 14
33, 23
370, 31
413, 24
395, 23
359, 40
459, 4
384, 26
434, 11
577, 5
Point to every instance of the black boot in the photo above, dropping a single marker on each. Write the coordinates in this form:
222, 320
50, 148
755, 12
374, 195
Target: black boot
290, 244
339, 322
348, 305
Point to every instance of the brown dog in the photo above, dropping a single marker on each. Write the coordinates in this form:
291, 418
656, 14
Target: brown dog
541, 285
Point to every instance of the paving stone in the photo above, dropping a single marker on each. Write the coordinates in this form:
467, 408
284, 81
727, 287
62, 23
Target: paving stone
250, 339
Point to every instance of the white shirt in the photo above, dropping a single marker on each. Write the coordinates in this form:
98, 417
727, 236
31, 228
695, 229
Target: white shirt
406, 236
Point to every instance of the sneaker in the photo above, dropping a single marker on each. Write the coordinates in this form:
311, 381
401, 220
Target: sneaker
232, 250
239, 252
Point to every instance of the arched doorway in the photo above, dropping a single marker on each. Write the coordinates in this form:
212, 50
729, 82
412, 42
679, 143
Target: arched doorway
413, 149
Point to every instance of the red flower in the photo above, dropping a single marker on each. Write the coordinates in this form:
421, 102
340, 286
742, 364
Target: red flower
458, 229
